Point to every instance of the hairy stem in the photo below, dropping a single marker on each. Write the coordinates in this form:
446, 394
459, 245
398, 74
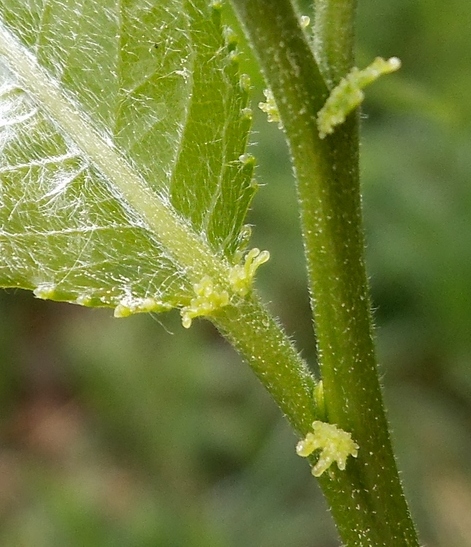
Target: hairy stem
273, 358
334, 38
366, 499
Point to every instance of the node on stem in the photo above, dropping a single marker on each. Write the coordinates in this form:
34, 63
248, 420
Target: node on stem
210, 297
335, 445
348, 94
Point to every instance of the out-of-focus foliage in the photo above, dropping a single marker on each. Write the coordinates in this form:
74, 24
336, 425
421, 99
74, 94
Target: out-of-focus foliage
133, 432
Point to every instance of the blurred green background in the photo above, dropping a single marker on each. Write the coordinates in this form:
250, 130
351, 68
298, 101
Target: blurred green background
136, 432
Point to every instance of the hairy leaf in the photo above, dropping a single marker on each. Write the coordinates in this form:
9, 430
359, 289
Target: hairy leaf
123, 127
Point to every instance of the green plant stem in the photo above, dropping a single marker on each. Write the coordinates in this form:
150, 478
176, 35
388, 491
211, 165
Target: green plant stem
334, 35
258, 337
366, 500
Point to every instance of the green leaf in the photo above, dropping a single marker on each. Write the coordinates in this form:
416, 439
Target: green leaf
123, 129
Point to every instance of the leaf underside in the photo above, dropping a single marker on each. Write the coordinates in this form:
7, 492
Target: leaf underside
156, 85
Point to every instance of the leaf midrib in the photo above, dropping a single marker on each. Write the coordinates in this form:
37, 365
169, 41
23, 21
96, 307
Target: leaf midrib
174, 233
